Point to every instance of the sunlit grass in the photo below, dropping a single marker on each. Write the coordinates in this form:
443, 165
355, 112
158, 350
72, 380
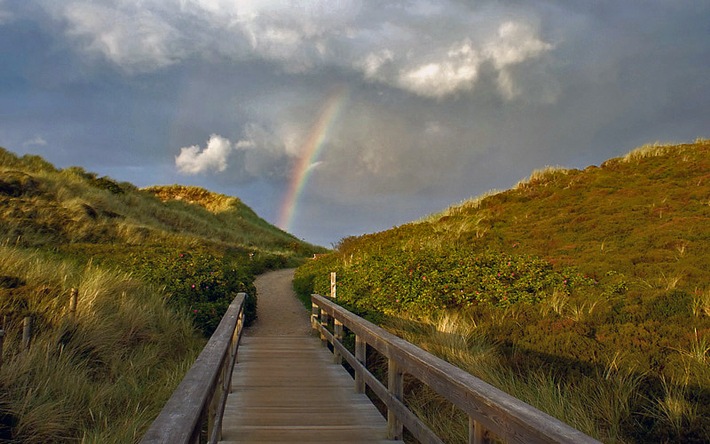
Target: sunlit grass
699, 349
701, 303
598, 405
105, 373
629, 238
672, 407
541, 176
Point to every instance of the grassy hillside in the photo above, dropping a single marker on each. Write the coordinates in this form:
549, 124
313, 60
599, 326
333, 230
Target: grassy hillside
155, 270
585, 293
44, 205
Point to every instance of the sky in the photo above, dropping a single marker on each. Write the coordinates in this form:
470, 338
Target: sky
334, 118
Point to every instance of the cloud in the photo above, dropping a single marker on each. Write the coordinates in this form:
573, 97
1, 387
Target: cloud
439, 71
447, 98
5, 15
260, 154
515, 43
133, 38
430, 49
35, 141
457, 71
193, 160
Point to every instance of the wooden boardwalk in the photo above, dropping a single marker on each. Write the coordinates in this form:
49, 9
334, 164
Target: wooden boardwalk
287, 389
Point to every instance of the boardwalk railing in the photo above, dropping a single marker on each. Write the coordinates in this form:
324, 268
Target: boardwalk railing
489, 410
200, 398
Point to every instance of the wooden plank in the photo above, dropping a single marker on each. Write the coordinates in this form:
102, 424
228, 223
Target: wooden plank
287, 389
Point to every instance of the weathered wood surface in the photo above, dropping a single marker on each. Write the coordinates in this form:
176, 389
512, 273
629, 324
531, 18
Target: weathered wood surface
287, 389
201, 395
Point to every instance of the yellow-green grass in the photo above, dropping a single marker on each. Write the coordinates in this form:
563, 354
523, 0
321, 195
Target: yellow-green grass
42, 204
585, 282
151, 273
102, 375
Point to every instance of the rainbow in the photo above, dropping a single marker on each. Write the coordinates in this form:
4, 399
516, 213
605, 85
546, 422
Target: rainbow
309, 152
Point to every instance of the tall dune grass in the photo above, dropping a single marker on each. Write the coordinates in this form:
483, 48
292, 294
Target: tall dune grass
101, 377
598, 406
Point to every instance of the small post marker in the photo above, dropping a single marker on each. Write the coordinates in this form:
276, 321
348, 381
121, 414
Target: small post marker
73, 298
333, 289
26, 332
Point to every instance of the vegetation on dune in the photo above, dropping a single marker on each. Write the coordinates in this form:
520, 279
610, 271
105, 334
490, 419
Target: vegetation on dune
153, 268
99, 377
584, 293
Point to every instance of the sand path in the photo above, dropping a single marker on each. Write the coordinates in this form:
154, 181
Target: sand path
279, 312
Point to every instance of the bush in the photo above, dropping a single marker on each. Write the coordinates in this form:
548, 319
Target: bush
199, 283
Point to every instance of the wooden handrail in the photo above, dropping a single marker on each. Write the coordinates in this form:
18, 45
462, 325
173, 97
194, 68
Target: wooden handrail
488, 408
202, 394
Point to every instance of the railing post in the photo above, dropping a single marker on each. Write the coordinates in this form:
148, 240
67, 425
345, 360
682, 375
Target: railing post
236, 338
26, 332
73, 299
475, 431
315, 310
338, 336
201, 396
324, 324
2, 339
214, 407
337, 324
361, 356
395, 385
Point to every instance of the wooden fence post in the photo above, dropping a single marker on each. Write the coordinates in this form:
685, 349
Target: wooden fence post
2, 338
333, 285
475, 432
395, 386
73, 298
26, 332
324, 324
337, 324
337, 336
361, 356
315, 310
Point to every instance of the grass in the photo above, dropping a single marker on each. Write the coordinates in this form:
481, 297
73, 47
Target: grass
155, 270
597, 405
72, 205
672, 407
701, 303
563, 276
116, 363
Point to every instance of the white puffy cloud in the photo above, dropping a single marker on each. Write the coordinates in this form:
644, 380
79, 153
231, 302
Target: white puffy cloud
457, 71
440, 71
260, 153
194, 160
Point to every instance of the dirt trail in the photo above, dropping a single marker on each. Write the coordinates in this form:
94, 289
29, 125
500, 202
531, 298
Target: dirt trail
279, 312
